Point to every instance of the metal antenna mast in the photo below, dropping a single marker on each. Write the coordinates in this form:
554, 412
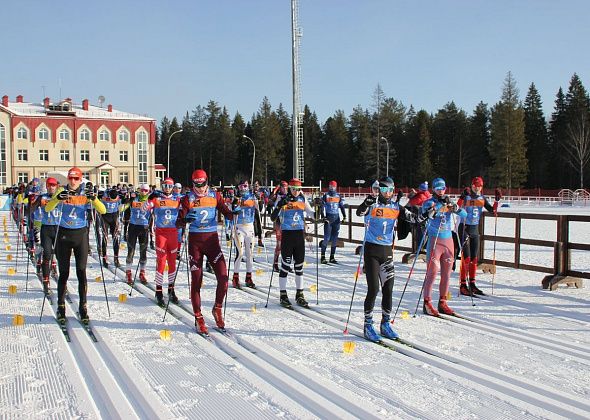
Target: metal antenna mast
298, 153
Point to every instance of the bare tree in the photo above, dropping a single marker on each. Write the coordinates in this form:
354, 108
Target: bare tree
579, 145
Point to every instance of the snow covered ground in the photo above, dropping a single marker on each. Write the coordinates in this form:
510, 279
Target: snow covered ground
521, 353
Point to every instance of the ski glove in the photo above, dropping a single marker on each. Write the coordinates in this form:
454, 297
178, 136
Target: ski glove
400, 195
90, 194
431, 212
63, 195
454, 207
466, 193
498, 194
190, 217
369, 201
284, 201
155, 194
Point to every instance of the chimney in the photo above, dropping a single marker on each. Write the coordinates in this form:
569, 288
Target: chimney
110, 108
19, 99
46, 102
5, 100
85, 104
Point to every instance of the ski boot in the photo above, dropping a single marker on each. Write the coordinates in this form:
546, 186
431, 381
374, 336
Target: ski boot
217, 312
285, 302
300, 299
200, 323
172, 295
38, 267
249, 282
61, 313
474, 289
333, 260
129, 277
116, 261
46, 288
83, 311
443, 308
235, 281
464, 289
260, 244
227, 237
105, 263
428, 309
323, 259
142, 277
387, 331
369, 331
160, 296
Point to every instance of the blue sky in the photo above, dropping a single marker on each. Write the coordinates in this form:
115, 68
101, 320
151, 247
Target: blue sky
166, 57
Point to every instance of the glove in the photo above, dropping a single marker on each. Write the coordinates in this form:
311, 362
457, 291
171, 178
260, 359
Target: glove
453, 207
90, 194
431, 211
498, 194
155, 194
63, 195
369, 201
325, 220
466, 192
344, 218
284, 201
400, 194
190, 217
235, 202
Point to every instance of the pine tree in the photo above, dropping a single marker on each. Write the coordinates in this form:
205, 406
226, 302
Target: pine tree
508, 143
269, 140
364, 162
393, 120
423, 170
557, 135
312, 135
336, 150
535, 131
577, 139
478, 140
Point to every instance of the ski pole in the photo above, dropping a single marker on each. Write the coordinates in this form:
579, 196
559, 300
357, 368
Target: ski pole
429, 257
317, 257
231, 238
494, 256
99, 250
134, 277
422, 243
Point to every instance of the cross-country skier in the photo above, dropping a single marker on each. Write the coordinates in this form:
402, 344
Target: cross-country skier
278, 194
332, 205
381, 215
110, 223
441, 248
244, 232
49, 223
416, 199
199, 208
74, 201
473, 201
291, 211
164, 207
138, 231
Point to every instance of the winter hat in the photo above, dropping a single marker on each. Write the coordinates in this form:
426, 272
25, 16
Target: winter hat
439, 184
74, 173
477, 181
295, 183
51, 181
333, 184
178, 185
199, 178
423, 186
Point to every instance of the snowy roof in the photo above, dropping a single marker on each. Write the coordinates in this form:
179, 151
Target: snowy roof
29, 109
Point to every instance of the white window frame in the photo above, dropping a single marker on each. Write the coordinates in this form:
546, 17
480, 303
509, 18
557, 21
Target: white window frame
43, 175
22, 177
42, 131
22, 133
84, 155
22, 155
104, 135
84, 132
44, 155
124, 177
141, 139
86, 175
123, 135
123, 156
103, 154
64, 153
64, 134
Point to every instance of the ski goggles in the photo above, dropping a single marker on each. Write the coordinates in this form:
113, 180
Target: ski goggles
167, 186
199, 183
295, 187
384, 190
74, 178
143, 190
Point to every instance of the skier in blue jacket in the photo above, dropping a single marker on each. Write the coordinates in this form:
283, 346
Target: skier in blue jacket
332, 205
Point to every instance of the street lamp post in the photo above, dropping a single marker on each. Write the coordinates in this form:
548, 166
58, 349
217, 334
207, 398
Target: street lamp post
253, 157
387, 168
168, 164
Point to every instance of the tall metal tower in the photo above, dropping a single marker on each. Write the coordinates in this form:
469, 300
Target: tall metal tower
298, 153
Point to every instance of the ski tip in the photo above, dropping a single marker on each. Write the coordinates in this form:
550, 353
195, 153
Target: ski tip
345, 332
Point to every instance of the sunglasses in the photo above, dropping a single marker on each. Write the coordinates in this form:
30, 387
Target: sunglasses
199, 184
52, 185
385, 189
74, 178
295, 187
142, 190
167, 186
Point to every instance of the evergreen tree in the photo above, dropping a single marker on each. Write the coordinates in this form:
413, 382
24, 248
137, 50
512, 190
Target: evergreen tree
364, 161
269, 140
423, 170
392, 121
312, 133
508, 143
535, 131
336, 151
577, 139
478, 140
240, 168
557, 136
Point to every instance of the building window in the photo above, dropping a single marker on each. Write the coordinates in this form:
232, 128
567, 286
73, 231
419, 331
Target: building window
104, 155
43, 175
85, 134
64, 134
141, 138
22, 134
124, 156
2, 155
123, 135
85, 155
124, 177
43, 134
64, 155
86, 175
44, 155
23, 177
104, 135
22, 154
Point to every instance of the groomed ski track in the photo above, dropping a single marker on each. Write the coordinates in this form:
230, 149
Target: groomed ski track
256, 372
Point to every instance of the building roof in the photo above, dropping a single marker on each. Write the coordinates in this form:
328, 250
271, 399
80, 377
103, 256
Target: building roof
29, 109
159, 167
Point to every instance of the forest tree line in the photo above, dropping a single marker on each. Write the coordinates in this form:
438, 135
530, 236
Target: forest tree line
511, 143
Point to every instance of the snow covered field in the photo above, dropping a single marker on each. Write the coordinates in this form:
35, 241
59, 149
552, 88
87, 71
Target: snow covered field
522, 353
